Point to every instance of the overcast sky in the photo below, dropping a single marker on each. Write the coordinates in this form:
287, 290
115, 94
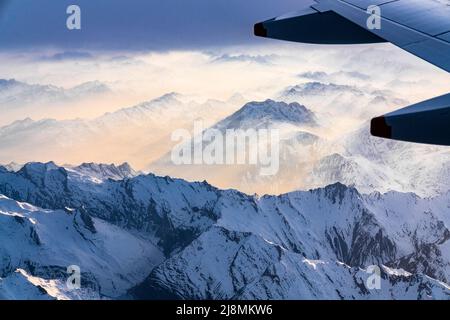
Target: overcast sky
136, 24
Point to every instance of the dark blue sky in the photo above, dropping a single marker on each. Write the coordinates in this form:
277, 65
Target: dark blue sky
136, 24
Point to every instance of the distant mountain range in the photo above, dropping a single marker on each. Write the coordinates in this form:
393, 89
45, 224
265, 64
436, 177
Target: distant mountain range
310, 157
149, 237
13, 92
333, 101
314, 151
140, 132
19, 100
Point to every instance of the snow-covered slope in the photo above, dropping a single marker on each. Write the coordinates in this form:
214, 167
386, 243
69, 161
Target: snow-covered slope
45, 243
250, 267
21, 285
372, 163
301, 246
364, 174
225, 244
17, 287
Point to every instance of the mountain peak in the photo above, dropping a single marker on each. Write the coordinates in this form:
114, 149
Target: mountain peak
337, 192
90, 87
317, 88
38, 166
269, 112
105, 171
168, 97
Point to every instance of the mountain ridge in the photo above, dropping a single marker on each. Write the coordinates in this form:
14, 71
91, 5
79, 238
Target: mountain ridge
335, 224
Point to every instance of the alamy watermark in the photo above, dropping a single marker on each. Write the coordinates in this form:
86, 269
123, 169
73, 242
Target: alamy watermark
74, 280
256, 147
373, 282
73, 21
374, 19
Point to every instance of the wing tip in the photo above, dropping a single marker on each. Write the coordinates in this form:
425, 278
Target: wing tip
379, 128
260, 30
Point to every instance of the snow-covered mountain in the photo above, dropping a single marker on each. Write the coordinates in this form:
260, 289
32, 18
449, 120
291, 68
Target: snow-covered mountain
335, 77
21, 100
39, 245
330, 99
371, 163
251, 268
20, 94
267, 113
204, 242
20, 91
95, 171
100, 172
297, 142
12, 166
313, 155
319, 89
364, 174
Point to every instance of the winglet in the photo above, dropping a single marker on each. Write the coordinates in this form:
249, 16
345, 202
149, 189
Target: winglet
379, 128
260, 30
423, 122
311, 26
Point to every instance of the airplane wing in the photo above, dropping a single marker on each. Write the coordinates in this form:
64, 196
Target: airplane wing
421, 27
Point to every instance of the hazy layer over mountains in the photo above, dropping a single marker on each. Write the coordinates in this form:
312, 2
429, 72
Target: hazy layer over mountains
81, 117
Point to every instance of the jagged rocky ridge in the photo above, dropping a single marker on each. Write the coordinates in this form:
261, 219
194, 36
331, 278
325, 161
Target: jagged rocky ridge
211, 243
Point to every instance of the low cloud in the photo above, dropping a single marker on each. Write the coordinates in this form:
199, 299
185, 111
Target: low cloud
68, 55
261, 59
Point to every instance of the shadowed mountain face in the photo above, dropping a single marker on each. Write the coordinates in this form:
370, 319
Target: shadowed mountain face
225, 244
